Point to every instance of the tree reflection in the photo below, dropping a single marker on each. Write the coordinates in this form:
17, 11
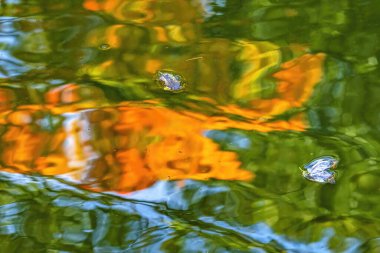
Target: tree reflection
130, 145
78, 102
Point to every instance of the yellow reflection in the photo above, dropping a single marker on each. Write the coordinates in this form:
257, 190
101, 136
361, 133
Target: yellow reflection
147, 11
258, 59
296, 81
136, 11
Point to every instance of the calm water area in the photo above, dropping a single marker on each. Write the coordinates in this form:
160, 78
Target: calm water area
185, 126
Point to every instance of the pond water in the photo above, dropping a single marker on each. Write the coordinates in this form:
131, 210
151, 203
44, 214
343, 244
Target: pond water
182, 125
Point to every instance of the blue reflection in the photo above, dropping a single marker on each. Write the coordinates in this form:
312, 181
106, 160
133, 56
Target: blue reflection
138, 223
261, 232
233, 140
10, 66
211, 7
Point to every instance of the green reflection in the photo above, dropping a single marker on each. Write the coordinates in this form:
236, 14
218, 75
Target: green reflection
70, 66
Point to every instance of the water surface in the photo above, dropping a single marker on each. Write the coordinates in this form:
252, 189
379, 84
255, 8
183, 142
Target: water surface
96, 157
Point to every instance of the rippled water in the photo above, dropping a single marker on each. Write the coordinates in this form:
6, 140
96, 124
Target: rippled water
96, 156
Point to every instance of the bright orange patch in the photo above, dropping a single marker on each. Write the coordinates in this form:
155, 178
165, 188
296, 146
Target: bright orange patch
132, 145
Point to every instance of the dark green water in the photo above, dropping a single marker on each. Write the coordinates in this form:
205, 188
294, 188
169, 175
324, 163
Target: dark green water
96, 157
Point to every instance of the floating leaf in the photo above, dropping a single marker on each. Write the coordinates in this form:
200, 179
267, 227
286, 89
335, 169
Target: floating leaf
170, 81
320, 170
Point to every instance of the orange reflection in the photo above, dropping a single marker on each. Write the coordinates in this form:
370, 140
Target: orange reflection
296, 81
146, 11
6, 99
122, 148
138, 11
130, 146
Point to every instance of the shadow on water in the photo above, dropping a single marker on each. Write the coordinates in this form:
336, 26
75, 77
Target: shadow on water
96, 156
